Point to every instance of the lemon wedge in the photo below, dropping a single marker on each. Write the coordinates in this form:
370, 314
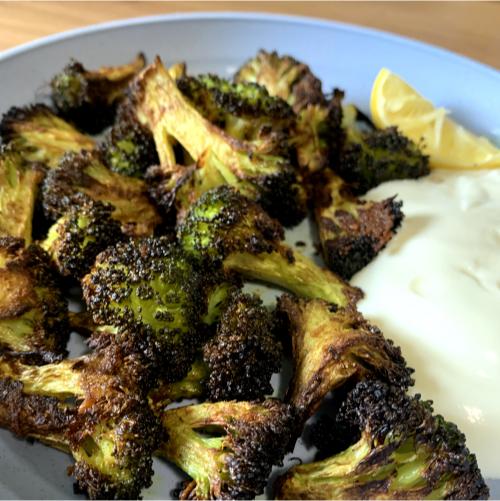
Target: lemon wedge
448, 144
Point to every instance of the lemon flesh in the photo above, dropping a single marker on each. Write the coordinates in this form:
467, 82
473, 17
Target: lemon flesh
448, 144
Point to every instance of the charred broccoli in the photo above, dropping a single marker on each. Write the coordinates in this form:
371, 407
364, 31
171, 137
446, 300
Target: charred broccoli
352, 231
33, 311
332, 346
128, 147
151, 292
19, 187
92, 407
41, 136
89, 98
85, 173
375, 156
398, 450
80, 234
222, 159
245, 111
228, 448
237, 363
284, 77
227, 228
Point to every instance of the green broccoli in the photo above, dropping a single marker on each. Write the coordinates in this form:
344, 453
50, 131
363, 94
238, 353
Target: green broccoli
237, 362
80, 234
352, 231
41, 136
84, 172
33, 310
331, 346
226, 228
19, 187
396, 449
228, 448
89, 98
222, 159
92, 407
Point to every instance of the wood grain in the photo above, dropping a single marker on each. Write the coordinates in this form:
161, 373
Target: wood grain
469, 28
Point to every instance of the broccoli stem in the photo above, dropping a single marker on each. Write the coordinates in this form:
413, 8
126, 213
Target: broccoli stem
300, 276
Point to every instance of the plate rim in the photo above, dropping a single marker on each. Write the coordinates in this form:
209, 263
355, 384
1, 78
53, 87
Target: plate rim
250, 16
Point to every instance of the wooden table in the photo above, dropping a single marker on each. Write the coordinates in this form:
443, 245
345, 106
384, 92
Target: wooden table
470, 28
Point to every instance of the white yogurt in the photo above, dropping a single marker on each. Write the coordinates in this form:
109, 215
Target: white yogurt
435, 290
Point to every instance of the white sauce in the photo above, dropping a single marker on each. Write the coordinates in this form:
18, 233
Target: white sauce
435, 290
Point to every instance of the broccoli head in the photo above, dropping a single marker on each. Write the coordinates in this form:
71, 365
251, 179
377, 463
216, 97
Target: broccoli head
228, 448
373, 157
92, 407
225, 227
80, 234
284, 77
33, 311
331, 346
41, 136
89, 98
85, 173
236, 363
222, 159
19, 187
352, 231
128, 147
245, 111
155, 297
398, 450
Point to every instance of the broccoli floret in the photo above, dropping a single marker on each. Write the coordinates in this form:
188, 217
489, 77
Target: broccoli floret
93, 407
128, 147
332, 346
41, 136
229, 229
89, 98
19, 187
237, 362
399, 450
33, 311
228, 448
85, 173
155, 297
222, 159
80, 234
373, 157
245, 111
352, 231
284, 77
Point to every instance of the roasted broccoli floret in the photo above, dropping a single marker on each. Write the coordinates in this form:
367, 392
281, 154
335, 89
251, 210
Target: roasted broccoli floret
352, 231
222, 159
155, 297
375, 156
85, 173
33, 311
285, 77
41, 136
80, 234
128, 147
331, 346
398, 450
19, 187
89, 98
93, 407
237, 362
245, 111
229, 229
228, 448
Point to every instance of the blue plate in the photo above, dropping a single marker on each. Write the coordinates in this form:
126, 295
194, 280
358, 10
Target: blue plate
341, 55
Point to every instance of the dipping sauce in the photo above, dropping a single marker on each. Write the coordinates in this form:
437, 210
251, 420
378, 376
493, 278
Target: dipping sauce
435, 290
